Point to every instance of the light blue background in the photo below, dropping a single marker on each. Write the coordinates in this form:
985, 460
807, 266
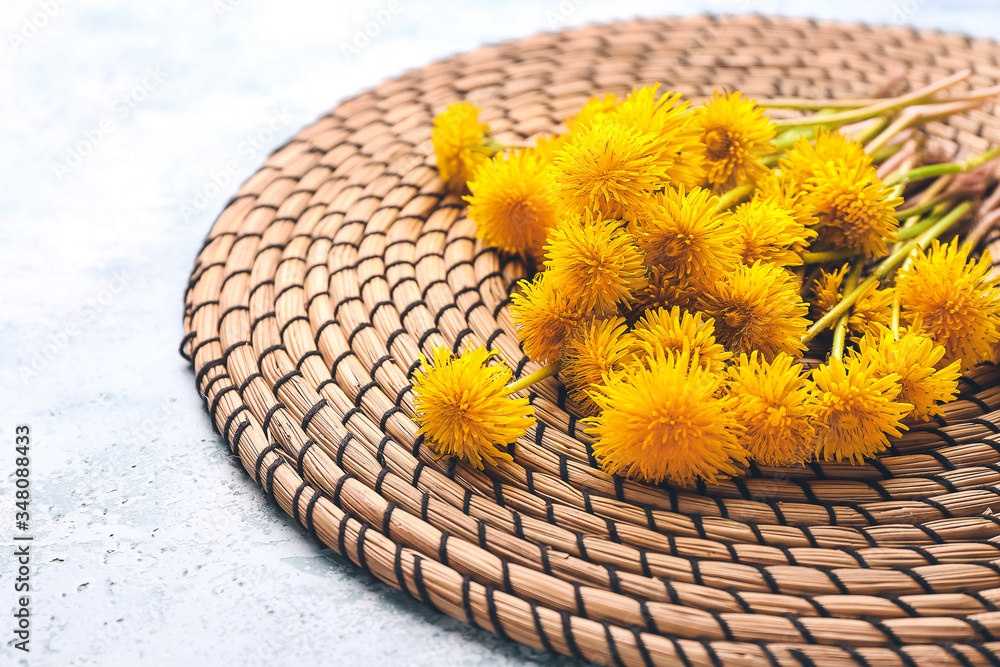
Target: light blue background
152, 546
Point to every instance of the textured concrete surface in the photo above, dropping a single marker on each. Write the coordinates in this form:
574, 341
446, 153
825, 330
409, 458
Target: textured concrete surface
152, 547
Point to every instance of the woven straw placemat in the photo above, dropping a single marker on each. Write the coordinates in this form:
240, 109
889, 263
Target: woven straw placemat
343, 257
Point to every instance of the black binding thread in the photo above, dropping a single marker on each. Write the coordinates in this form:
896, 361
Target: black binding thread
539, 630
567, 628
312, 412
260, 460
470, 618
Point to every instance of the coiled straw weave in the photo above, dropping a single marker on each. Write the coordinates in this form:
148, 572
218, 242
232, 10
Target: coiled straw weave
343, 257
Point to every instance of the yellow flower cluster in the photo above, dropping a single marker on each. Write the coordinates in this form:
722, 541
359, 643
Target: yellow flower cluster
686, 259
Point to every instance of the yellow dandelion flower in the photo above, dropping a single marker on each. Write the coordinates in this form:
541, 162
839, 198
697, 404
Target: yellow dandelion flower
783, 192
670, 118
544, 317
736, 134
807, 157
913, 358
856, 409
955, 299
768, 231
680, 231
460, 143
854, 209
871, 314
666, 291
514, 203
596, 262
596, 107
758, 307
547, 146
463, 408
609, 166
675, 330
773, 403
595, 349
842, 189
664, 420
826, 290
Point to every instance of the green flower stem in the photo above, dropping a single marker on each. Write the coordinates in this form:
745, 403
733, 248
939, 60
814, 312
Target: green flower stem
495, 146
920, 209
930, 170
733, 197
871, 130
828, 256
530, 379
894, 318
840, 330
895, 308
885, 268
798, 104
785, 140
886, 152
915, 115
877, 109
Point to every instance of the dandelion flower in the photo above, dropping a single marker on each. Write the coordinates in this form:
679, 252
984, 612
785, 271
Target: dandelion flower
913, 358
807, 157
609, 166
854, 209
773, 403
758, 307
547, 146
670, 118
955, 299
460, 143
665, 291
514, 203
675, 330
544, 317
782, 191
736, 133
680, 231
594, 261
856, 409
594, 350
769, 232
841, 187
664, 420
872, 313
463, 408
595, 108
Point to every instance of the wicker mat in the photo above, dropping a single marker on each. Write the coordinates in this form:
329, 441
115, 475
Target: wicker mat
343, 257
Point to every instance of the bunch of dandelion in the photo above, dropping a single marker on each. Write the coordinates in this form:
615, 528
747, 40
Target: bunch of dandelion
463, 407
461, 143
856, 408
953, 300
514, 202
663, 419
689, 256
773, 403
